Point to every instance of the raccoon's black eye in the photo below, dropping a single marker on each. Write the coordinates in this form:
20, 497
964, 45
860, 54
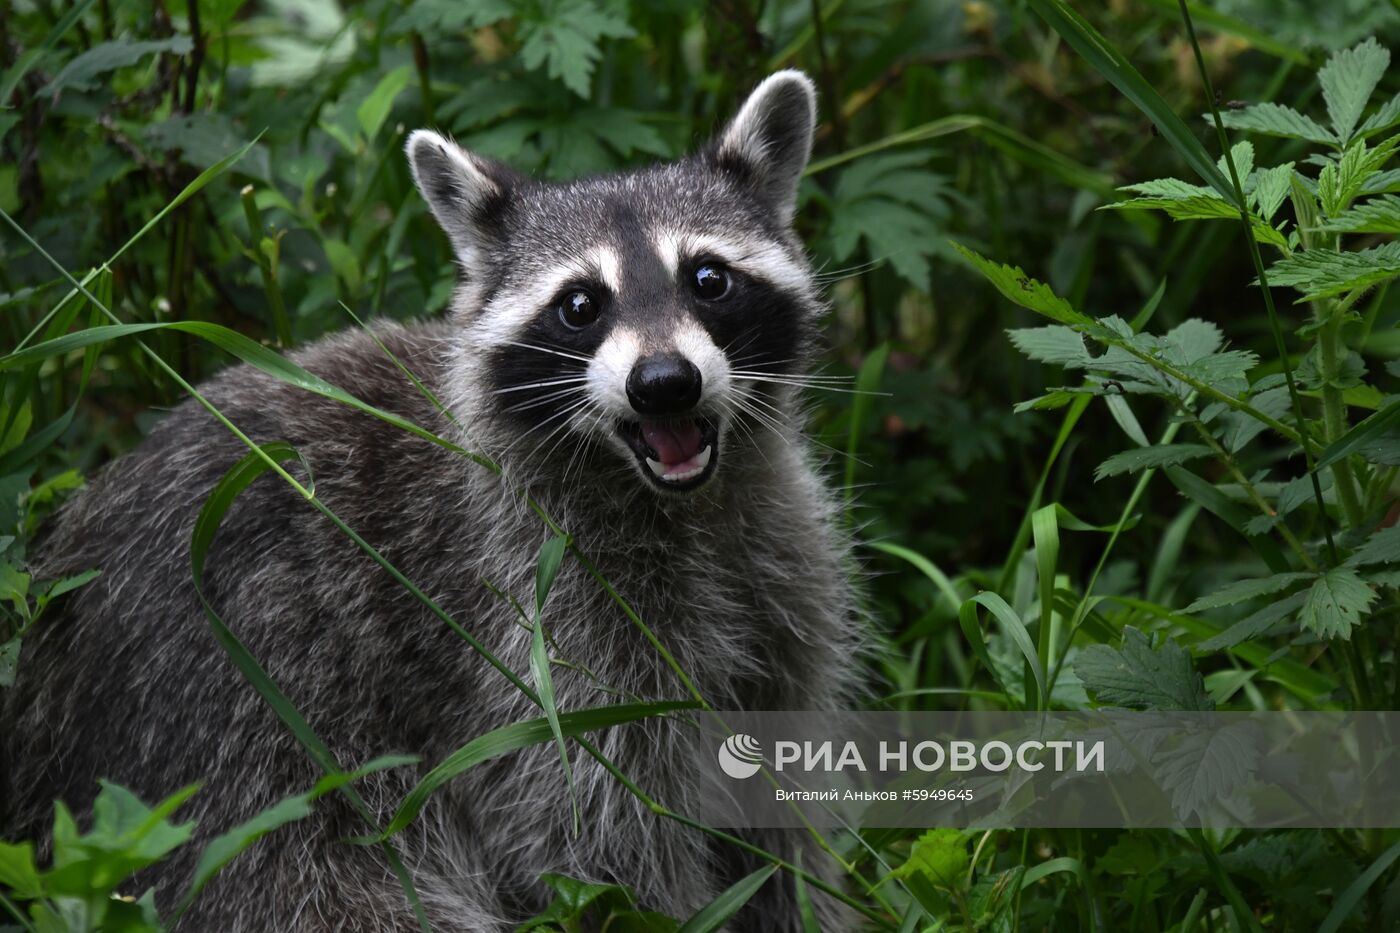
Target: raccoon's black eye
711, 281
578, 310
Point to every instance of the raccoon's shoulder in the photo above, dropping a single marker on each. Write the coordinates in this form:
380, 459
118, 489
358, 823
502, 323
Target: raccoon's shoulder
378, 366
160, 483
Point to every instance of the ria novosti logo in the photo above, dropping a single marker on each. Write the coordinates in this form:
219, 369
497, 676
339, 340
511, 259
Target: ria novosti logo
740, 756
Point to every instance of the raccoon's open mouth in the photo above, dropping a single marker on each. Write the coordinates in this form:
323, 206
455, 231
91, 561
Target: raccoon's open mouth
674, 453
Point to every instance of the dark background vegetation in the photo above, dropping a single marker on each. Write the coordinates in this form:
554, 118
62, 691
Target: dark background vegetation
941, 119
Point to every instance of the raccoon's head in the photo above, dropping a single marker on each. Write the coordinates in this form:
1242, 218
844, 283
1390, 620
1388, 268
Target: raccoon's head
665, 314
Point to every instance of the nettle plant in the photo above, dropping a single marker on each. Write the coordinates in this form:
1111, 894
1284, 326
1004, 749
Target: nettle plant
1319, 515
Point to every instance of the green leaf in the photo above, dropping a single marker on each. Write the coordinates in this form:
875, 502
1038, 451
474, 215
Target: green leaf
941, 856
1335, 603
374, 109
1110, 63
564, 39
1277, 120
1243, 590
205, 139
1323, 273
1271, 187
1012, 627
1383, 547
1383, 119
519, 735
18, 871
1170, 188
1053, 344
1378, 215
1024, 290
82, 72
896, 206
224, 847
1347, 81
1203, 207
1372, 439
1149, 458
1350, 899
1255, 624
546, 569
1141, 676
718, 912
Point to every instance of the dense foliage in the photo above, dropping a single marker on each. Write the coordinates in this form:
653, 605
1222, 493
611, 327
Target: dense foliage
1193, 479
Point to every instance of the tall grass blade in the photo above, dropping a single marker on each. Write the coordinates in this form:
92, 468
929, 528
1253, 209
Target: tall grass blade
1119, 72
718, 912
546, 569
520, 735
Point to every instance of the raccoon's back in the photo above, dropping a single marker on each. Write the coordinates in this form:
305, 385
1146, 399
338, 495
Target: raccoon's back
122, 678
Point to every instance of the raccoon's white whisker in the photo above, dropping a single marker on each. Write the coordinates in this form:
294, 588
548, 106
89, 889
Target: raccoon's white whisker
790, 377
552, 350
778, 427
543, 400
561, 431
805, 385
540, 385
559, 414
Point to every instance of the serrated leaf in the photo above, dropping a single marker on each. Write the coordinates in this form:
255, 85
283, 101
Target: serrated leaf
1383, 547
1383, 119
1242, 154
1382, 182
564, 40
1277, 120
1204, 207
1271, 188
1378, 215
1322, 273
1335, 603
1209, 765
1255, 624
1244, 590
897, 206
451, 16
1149, 458
1059, 346
82, 72
1173, 188
1347, 81
1141, 676
1376, 439
1024, 290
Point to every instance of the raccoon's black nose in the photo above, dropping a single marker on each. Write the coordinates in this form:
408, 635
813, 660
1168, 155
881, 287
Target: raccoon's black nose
663, 385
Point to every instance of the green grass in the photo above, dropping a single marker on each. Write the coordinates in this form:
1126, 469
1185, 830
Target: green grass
1184, 469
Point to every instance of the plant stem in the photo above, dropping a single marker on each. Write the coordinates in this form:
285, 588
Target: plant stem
1251, 492
1243, 204
281, 324
1334, 413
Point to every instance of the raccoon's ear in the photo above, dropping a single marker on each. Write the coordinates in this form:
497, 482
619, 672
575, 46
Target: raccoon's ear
464, 191
770, 140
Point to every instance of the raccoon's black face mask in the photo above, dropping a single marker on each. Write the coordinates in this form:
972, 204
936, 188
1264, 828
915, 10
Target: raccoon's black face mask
666, 313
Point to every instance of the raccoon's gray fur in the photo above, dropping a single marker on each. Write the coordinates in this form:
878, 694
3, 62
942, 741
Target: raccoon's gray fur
734, 557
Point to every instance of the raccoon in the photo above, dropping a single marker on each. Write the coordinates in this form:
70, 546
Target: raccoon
630, 349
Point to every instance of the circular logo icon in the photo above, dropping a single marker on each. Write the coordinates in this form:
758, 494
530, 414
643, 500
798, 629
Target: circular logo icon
740, 756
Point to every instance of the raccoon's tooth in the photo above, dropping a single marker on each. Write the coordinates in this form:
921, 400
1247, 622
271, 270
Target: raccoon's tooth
657, 467
702, 459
